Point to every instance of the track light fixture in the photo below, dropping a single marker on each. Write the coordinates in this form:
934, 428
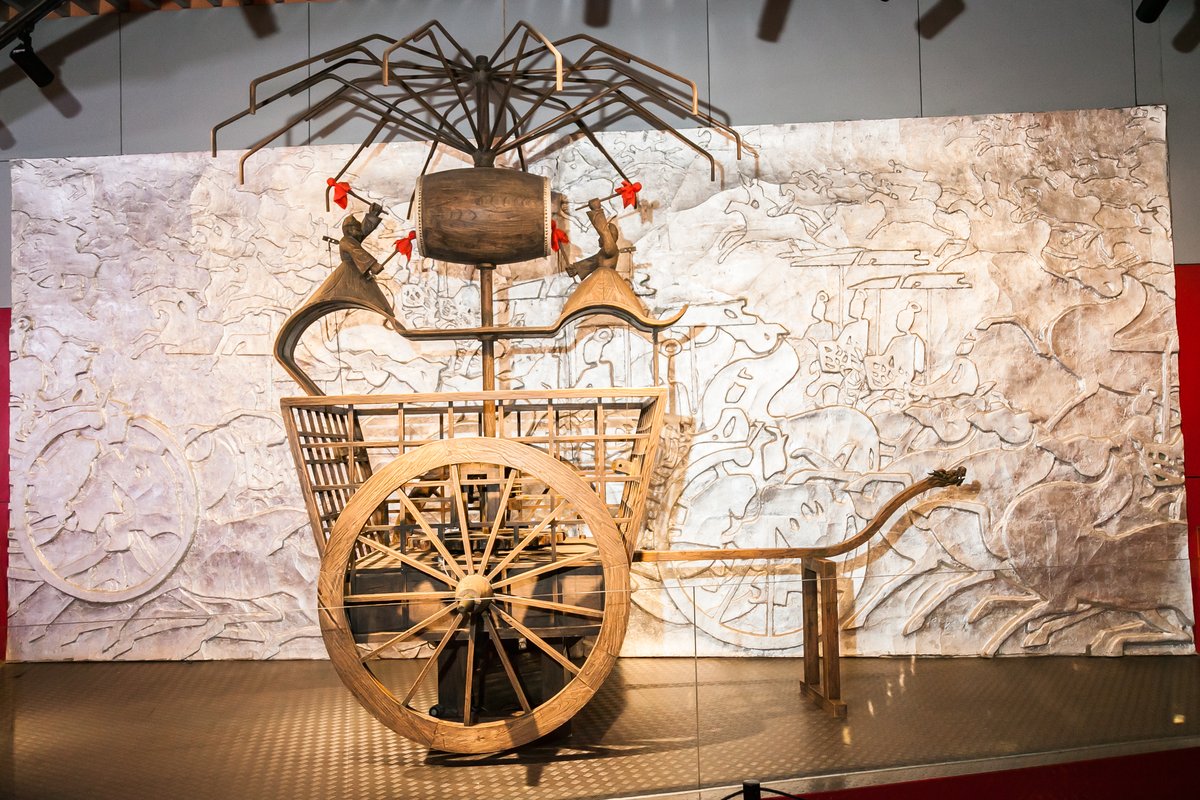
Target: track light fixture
29, 62
1149, 10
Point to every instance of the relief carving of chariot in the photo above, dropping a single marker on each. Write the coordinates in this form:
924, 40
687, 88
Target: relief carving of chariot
474, 587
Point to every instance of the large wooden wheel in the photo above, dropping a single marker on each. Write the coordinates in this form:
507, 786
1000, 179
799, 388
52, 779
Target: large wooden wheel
474, 594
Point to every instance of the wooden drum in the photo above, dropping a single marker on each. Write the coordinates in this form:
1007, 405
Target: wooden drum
483, 215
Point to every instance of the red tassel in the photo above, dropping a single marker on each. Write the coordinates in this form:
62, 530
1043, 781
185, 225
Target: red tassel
557, 236
341, 191
405, 246
628, 192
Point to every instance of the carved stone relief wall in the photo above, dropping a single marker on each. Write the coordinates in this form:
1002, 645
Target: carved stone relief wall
868, 301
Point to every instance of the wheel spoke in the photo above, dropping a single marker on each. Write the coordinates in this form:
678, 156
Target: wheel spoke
434, 539
508, 667
562, 608
538, 641
395, 597
501, 514
461, 510
82, 564
408, 560
400, 637
437, 651
729, 598
529, 537
469, 690
570, 561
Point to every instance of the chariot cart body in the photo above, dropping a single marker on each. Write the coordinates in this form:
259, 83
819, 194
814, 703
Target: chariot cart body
475, 547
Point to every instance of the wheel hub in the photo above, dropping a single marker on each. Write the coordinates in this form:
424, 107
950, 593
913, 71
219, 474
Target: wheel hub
474, 595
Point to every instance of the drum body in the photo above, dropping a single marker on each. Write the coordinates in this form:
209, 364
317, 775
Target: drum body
483, 215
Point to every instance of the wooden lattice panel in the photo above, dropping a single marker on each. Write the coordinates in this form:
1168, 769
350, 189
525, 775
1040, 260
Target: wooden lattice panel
608, 437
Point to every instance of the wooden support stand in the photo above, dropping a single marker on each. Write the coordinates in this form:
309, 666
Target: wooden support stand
822, 681
822, 674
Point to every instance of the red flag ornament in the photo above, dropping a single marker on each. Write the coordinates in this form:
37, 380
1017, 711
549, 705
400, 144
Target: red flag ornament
341, 191
629, 192
405, 246
557, 236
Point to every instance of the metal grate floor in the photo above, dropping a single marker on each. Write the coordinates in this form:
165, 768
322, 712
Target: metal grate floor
289, 730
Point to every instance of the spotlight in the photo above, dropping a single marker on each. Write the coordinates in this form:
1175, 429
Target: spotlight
1148, 10
29, 62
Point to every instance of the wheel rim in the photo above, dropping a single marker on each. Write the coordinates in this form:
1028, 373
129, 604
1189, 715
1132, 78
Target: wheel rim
507, 599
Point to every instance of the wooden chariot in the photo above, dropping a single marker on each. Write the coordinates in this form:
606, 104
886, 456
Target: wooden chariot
475, 552
475, 546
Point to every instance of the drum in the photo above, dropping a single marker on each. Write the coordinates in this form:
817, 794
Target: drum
483, 215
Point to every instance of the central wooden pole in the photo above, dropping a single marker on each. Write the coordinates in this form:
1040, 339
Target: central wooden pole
487, 345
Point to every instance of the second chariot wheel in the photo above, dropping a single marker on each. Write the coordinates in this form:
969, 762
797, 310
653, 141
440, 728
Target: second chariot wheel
474, 594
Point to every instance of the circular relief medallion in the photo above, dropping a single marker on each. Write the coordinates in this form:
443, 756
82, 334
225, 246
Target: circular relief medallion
107, 507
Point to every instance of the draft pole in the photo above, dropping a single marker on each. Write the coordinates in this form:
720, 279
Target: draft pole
487, 345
